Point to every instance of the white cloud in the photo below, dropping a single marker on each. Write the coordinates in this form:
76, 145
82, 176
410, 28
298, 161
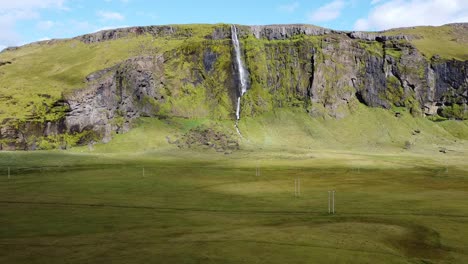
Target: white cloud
12, 11
8, 35
361, 24
8, 5
2, 47
151, 15
374, 2
388, 14
45, 25
78, 25
108, 15
289, 8
44, 39
327, 12
110, 27
122, 1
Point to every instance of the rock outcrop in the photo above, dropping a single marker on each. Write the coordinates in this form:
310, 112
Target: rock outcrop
116, 96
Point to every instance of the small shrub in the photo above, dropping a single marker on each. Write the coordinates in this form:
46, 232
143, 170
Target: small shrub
408, 145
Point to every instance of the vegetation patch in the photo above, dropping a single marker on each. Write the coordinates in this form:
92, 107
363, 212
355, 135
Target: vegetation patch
373, 47
64, 141
206, 137
455, 111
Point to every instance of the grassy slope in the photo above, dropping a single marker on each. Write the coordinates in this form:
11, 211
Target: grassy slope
368, 130
449, 42
56, 67
53, 69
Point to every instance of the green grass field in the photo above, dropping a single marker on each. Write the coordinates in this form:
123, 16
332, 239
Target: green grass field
139, 199
75, 208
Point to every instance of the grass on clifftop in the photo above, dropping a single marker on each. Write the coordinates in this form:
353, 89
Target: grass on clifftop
449, 41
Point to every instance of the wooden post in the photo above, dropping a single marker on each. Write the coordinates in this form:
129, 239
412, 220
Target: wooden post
298, 186
333, 202
295, 187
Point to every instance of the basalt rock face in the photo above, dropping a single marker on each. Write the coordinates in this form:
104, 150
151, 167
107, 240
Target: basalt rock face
281, 32
331, 73
112, 34
324, 72
115, 97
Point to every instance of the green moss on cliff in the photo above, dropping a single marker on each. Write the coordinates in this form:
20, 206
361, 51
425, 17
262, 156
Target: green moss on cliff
61, 141
193, 91
394, 92
280, 72
373, 47
455, 111
394, 52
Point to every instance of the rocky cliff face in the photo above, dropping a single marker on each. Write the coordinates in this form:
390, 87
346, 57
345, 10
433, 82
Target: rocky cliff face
325, 72
115, 96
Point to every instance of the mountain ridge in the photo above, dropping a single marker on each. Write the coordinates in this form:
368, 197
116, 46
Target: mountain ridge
329, 30
94, 85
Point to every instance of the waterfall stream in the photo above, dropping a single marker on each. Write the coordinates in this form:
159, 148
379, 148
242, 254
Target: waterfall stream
241, 71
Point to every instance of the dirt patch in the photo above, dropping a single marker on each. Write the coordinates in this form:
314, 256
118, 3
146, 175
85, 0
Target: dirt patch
207, 138
421, 242
4, 63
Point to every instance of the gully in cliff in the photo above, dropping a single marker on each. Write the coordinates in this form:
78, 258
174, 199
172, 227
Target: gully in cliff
241, 71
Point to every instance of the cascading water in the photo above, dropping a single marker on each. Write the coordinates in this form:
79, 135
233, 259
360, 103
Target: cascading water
241, 71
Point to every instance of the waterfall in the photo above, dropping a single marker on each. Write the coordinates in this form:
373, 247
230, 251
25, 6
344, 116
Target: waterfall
238, 108
240, 68
242, 74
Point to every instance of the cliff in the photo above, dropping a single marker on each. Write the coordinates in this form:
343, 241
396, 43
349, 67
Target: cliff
64, 92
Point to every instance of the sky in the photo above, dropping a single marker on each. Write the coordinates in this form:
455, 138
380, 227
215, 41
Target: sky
25, 21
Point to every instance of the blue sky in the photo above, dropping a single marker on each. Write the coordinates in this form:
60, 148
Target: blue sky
24, 21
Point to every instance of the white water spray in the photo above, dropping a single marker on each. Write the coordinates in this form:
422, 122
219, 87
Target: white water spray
238, 108
242, 74
240, 68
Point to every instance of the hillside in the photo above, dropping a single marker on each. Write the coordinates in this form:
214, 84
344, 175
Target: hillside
61, 93
236, 144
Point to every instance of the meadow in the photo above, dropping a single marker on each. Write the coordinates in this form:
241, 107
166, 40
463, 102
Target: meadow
161, 204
